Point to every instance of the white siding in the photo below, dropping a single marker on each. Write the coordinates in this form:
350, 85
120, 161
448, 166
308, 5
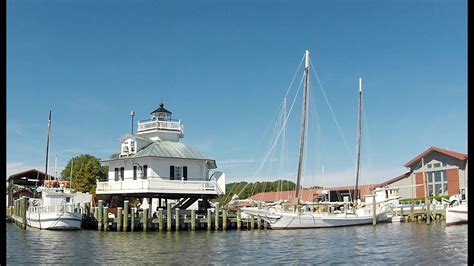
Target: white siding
160, 167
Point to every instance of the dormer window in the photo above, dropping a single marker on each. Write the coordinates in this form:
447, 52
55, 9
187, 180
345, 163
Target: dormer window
128, 147
132, 146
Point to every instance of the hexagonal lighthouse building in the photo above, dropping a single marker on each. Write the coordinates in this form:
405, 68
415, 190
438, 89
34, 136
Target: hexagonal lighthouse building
154, 164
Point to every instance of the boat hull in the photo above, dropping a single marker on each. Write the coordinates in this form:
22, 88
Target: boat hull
291, 220
54, 221
456, 215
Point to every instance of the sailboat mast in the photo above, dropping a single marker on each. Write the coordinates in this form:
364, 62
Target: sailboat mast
70, 177
359, 140
303, 128
47, 145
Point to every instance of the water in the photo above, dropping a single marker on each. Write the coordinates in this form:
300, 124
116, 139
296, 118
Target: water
397, 243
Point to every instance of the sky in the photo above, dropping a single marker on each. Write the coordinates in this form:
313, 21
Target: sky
223, 68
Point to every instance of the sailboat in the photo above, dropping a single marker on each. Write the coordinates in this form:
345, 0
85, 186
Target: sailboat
279, 217
55, 210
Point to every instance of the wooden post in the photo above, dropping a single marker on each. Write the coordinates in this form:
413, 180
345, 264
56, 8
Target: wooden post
252, 222
119, 219
106, 218
176, 219
132, 219
428, 213
374, 217
100, 214
193, 220
125, 215
24, 208
412, 210
145, 220
87, 209
238, 220
401, 211
160, 219
224, 219
216, 217
209, 219
168, 216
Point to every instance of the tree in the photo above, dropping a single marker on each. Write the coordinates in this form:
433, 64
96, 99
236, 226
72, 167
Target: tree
86, 169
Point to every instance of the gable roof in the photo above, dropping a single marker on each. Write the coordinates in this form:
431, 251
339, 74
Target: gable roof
134, 137
395, 179
457, 155
166, 149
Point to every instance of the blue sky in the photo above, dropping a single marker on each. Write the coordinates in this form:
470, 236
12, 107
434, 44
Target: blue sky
223, 69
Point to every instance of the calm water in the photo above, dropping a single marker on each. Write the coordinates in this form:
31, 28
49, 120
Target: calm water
402, 243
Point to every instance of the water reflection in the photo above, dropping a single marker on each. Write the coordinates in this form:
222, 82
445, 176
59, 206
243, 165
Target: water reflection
403, 243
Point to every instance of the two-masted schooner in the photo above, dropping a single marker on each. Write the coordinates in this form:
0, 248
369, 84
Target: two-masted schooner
294, 218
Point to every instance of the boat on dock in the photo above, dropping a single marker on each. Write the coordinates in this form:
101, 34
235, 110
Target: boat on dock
297, 216
55, 208
456, 213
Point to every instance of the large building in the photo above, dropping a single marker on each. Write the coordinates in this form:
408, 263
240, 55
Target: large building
155, 164
445, 173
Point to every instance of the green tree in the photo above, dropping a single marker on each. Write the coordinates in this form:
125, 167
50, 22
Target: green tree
85, 170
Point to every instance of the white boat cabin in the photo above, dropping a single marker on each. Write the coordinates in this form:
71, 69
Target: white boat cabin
154, 161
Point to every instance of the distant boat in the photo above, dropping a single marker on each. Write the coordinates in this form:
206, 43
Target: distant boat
457, 212
279, 217
55, 209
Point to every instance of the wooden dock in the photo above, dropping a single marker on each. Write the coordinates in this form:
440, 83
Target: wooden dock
420, 212
129, 219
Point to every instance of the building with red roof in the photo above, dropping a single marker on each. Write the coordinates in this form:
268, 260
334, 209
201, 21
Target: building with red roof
445, 172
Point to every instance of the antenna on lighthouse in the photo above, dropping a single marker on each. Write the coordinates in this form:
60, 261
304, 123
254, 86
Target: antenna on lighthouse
132, 114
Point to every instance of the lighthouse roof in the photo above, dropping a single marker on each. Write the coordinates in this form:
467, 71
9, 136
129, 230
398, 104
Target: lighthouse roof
167, 149
161, 109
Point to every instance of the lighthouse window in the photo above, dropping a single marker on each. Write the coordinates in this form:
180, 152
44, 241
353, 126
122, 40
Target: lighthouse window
178, 171
122, 170
116, 174
145, 171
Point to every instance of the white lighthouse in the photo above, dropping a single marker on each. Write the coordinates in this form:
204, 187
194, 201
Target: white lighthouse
154, 163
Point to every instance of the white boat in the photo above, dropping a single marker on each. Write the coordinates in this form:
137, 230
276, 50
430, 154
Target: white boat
295, 217
457, 214
54, 211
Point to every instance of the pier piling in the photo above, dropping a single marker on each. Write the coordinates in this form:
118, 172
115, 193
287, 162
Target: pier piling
216, 217
168, 216
224, 219
132, 219
106, 218
176, 219
119, 219
125, 215
208, 219
160, 219
193, 220
100, 214
238, 220
374, 206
